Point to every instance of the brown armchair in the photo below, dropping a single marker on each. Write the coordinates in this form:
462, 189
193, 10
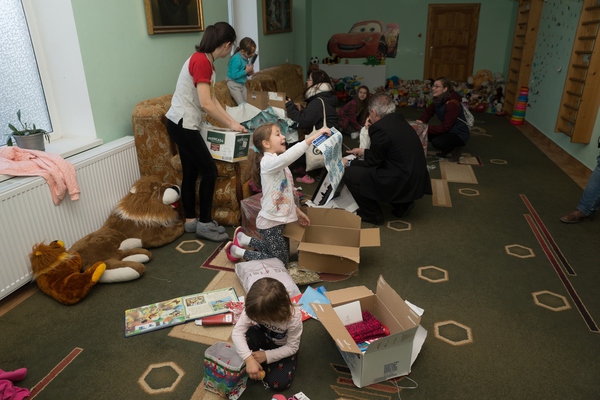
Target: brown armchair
157, 155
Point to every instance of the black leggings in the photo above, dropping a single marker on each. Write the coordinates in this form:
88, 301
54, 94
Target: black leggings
445, 142
279, 374
195, 160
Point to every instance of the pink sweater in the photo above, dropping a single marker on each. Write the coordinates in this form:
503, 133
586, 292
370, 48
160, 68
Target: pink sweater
58, 173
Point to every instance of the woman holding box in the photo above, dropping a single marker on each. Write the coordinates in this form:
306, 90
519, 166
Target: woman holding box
194, 98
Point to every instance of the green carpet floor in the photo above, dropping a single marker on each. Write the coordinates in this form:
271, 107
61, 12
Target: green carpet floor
509, 300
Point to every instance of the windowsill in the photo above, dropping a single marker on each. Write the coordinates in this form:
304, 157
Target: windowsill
66, 147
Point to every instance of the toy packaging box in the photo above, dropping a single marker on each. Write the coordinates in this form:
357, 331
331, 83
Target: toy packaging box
332, 242
226, 145
387, 357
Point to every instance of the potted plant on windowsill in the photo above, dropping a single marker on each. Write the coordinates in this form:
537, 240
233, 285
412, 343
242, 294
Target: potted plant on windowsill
29, 136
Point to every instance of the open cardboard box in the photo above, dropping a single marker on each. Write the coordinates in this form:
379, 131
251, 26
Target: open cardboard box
387, 357
263, 100
332, 242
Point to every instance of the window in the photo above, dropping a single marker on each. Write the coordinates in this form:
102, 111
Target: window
56, 45
20, 82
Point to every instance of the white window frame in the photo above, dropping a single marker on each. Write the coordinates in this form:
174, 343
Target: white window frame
56, 45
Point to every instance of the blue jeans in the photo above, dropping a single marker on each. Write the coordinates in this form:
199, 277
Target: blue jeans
590, 199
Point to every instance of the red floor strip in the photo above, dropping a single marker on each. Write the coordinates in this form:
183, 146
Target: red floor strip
548, 236
561, 275
55, 371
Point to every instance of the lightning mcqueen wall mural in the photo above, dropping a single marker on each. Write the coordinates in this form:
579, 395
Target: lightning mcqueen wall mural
365, 39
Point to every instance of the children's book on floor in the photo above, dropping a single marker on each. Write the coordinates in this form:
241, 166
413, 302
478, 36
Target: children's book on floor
177, 311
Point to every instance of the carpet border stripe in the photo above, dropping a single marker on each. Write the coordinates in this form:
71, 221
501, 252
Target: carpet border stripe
55, 371
548, 236
563, 278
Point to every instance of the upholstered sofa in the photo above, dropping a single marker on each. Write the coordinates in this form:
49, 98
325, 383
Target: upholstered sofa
157, 154
287, 78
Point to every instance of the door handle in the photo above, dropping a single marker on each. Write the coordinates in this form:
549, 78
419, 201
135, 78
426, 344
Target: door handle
431, 51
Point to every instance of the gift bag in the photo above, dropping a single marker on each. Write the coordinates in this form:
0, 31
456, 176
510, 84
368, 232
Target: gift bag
314, 157
249, 272
224, 371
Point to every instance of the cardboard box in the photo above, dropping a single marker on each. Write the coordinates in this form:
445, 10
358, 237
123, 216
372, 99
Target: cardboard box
386, 357
226, 145
263, 100
332, 242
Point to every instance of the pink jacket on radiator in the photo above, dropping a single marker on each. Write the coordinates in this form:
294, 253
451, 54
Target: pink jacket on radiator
58, 173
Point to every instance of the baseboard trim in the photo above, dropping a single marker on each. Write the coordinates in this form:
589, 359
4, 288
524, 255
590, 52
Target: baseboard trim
578, 171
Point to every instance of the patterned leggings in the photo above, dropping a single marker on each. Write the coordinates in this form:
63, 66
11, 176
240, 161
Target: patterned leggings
273, 245
279, 374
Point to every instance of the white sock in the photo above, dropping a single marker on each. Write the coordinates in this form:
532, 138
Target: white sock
236, 251
243, 239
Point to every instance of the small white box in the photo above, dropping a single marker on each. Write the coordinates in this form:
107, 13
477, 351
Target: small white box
226, 145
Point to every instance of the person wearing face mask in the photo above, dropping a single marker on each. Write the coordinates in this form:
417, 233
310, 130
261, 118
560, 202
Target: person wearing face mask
453, 133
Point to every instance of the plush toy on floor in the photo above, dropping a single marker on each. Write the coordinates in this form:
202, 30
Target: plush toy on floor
144, 218
58, 272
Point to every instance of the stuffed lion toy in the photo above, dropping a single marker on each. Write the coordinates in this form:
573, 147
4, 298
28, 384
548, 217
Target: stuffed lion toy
144, 218
481, 78
58, 272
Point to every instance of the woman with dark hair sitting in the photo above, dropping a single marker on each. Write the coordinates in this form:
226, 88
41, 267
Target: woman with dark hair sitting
318, 94
353, 115
453, 133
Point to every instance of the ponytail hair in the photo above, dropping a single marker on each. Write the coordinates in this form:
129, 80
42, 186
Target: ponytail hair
246, 44
261, 133
216, 35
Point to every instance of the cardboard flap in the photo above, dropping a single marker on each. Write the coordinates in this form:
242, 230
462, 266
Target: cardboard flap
351, 253
331, 217
386, 341
369, 237
334, 326
345, 295
294, 231
395, 306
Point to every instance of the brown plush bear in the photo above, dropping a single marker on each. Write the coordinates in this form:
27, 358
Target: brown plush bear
58, 273
144, 218
483, 77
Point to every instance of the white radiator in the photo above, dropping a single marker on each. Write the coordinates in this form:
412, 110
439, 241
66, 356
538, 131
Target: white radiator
28, 215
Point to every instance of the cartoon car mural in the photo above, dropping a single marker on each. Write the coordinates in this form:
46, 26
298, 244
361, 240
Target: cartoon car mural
366, 38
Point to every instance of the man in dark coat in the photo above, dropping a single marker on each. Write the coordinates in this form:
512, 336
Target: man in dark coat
392, 170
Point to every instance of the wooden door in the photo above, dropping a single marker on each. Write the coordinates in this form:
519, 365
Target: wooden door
451, 39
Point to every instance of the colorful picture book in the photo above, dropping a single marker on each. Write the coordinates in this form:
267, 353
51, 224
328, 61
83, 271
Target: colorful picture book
176, 311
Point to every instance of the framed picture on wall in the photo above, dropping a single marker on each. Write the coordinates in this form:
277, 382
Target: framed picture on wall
172, 16
277, 16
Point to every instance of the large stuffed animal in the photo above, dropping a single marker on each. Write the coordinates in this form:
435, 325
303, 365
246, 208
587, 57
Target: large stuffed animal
483, 77
58, 272
144, 218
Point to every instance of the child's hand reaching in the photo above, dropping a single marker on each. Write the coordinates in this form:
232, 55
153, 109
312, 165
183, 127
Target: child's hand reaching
323, 131
253, 368
302, 218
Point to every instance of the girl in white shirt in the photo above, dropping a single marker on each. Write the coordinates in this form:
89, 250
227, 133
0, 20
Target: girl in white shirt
267, 335
270, 171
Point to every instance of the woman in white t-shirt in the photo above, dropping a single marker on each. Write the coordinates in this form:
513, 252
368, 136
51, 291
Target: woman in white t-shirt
194, 97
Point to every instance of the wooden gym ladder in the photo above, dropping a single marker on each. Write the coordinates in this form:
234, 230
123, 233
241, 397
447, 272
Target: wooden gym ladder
580, 100
521, 58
